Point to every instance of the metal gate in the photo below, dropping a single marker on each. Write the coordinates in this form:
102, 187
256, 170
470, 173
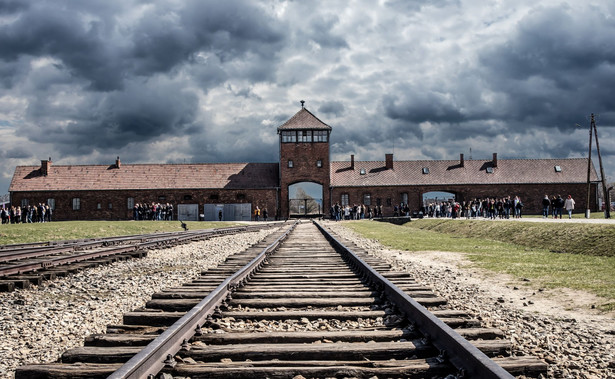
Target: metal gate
305, 207
188, 212
230, 212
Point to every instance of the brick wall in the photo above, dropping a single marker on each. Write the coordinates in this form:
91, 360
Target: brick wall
530, 194
89, 201
304, 157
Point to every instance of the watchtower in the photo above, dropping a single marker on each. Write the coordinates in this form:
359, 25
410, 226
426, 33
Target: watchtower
304, 165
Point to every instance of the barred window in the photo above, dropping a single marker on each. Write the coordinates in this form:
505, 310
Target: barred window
367, 198
24, 203
130, 202
52, 204
344, 200
76, 203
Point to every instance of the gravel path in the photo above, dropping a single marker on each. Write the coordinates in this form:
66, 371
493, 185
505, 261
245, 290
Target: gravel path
38, 324
574, 348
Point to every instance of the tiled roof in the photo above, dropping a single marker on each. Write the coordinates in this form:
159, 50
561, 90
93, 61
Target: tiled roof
304, 119
147, 176
508, 171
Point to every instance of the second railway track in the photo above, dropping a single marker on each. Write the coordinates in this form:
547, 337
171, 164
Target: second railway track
311, 309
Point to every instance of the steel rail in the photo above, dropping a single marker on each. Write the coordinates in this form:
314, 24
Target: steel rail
136, 242
457, 350
152, 358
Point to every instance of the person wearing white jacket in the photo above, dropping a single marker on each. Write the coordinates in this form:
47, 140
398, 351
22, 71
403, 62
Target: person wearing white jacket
569, 205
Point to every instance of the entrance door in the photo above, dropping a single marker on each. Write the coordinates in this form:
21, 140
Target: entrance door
305, 199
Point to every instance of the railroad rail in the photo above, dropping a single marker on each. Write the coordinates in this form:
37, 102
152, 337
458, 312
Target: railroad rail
300, 302
24, 264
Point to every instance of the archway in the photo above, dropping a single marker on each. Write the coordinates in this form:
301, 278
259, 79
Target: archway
305, 199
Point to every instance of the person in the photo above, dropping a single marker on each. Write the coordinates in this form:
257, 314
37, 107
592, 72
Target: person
559, 204
569, 205
220, 215
545, 206
257, 213
265, 214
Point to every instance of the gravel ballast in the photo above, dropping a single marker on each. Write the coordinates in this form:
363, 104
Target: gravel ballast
38, 324
582, 347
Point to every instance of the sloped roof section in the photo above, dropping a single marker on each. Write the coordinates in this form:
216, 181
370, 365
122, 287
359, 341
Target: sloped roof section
304, 119
147, 176
508, 171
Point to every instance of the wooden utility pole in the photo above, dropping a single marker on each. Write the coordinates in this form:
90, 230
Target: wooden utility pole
589, 168
607, 201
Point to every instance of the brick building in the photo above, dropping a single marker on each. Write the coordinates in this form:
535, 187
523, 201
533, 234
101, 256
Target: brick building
304, 181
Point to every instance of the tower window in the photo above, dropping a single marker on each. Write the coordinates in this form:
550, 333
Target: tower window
320, 135
319, 163
305, 136
289, 136
290, 164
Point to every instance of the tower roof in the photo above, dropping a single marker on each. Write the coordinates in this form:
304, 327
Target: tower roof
304, 119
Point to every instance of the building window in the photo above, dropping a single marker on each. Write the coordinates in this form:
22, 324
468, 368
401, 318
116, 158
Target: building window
98, 206
305, 136
162, 198
389, 201
362, 171
489, 170
110, 205
425, 170
378, 201
24, 203
320, 135
319, 163
344, 199
76, 203
558, 169
289, 136
187, 197
52, 204
404, 198
367, 198
214, 197
130, 202
241, 196
290, 164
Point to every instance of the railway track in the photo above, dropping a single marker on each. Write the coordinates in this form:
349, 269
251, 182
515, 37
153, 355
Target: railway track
24, 264
295, 304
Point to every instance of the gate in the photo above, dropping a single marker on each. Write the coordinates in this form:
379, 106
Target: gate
230, 212
188, 212
305, 207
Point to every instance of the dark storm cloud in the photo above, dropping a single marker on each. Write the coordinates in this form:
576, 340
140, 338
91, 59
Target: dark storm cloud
321, 32
417, 105
16, 153
556, 67
335, 108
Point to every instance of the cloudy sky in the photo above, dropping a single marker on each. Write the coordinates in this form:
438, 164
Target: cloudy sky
210, 81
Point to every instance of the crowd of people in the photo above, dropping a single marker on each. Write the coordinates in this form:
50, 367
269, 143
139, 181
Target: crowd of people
490, 208
26, 215
355, 212
152, 211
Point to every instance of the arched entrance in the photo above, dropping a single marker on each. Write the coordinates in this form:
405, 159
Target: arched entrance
305, 199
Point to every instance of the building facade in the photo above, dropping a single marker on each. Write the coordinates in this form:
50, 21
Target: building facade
304, 182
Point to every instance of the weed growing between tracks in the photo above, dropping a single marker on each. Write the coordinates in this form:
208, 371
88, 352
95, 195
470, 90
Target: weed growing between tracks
516, 250
69, 230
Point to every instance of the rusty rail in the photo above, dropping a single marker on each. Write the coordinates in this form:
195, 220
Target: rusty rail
462, 354
159, 352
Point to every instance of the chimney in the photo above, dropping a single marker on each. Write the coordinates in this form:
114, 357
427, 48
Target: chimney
117, 162
352, 161
45, 166
388, 158
461, 161
495, 159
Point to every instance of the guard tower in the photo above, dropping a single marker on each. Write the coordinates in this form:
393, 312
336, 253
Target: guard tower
304, 166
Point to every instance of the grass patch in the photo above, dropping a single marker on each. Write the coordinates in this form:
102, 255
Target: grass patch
573, 238
69, 230
514, 256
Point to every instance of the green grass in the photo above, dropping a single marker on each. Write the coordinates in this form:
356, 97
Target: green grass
68, 230
517, 250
